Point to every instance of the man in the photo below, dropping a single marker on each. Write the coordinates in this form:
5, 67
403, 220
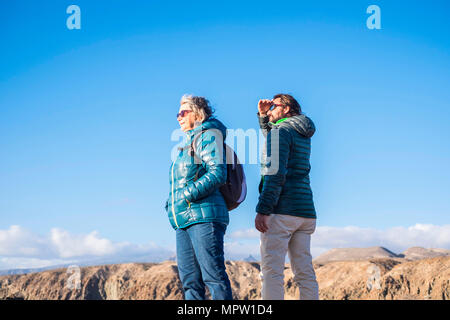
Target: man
286, 216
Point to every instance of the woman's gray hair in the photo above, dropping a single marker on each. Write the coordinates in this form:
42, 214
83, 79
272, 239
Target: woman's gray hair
200, 106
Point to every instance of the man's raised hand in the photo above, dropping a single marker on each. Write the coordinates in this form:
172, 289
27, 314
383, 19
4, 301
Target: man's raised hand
264, 106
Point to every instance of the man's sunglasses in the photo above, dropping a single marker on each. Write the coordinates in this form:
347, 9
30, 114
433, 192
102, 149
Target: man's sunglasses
272, 107
183, 113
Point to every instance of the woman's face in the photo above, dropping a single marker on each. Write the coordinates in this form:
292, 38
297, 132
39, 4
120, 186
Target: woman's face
186, 118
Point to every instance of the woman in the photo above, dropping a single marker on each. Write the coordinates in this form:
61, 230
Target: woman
196, 208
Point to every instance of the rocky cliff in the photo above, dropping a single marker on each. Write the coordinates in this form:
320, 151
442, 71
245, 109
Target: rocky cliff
385, 278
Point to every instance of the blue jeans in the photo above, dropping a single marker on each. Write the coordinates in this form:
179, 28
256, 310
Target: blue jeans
200, 260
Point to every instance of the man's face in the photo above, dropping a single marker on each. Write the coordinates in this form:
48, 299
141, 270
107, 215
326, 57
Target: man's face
277, 111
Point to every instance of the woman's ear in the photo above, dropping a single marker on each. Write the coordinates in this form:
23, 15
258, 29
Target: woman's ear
198, 118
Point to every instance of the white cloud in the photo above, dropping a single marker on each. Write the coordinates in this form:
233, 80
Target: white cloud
396, 239
17, 241
20, 248
244, 234
238, 250
69, 245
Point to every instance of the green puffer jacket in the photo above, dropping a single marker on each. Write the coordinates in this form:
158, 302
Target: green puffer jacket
285, 186
193, 200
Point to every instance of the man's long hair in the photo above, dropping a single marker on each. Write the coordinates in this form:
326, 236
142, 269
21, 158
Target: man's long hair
288, 100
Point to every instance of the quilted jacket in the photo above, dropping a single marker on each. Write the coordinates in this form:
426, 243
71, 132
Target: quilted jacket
194, 195
285, 185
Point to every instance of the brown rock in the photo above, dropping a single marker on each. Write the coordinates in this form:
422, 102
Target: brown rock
389, 278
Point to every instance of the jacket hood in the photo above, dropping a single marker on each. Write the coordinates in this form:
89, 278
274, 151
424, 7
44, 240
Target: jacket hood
302, 124
211, 123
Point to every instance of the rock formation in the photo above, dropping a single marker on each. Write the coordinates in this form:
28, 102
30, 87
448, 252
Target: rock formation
385, 278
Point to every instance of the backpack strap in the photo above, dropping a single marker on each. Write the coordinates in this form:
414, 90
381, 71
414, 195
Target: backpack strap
192, 151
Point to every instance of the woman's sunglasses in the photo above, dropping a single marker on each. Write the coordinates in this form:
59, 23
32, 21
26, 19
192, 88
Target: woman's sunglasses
183, 113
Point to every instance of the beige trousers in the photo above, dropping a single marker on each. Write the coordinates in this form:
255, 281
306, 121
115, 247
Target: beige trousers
293, 235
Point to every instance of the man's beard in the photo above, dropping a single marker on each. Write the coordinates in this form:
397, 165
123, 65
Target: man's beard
273, 119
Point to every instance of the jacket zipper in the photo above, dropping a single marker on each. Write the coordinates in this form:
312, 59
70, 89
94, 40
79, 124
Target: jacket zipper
173, 201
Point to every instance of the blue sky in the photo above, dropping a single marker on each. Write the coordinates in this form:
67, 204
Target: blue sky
86, 115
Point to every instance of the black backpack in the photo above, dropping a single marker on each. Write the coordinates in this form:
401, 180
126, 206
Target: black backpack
234, 190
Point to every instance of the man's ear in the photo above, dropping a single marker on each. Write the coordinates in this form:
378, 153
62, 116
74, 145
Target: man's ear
286, 110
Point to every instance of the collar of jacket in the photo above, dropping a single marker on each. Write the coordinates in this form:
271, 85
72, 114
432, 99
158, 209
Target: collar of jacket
211, 123
279, 121
191, 133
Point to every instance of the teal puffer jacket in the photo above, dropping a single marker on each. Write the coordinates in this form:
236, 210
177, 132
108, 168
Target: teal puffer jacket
194, 195
285, 186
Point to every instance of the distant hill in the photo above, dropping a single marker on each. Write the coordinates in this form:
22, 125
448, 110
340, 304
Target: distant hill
417, 253
158, 257
25, 270
250, 258
351, 254
355, 254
